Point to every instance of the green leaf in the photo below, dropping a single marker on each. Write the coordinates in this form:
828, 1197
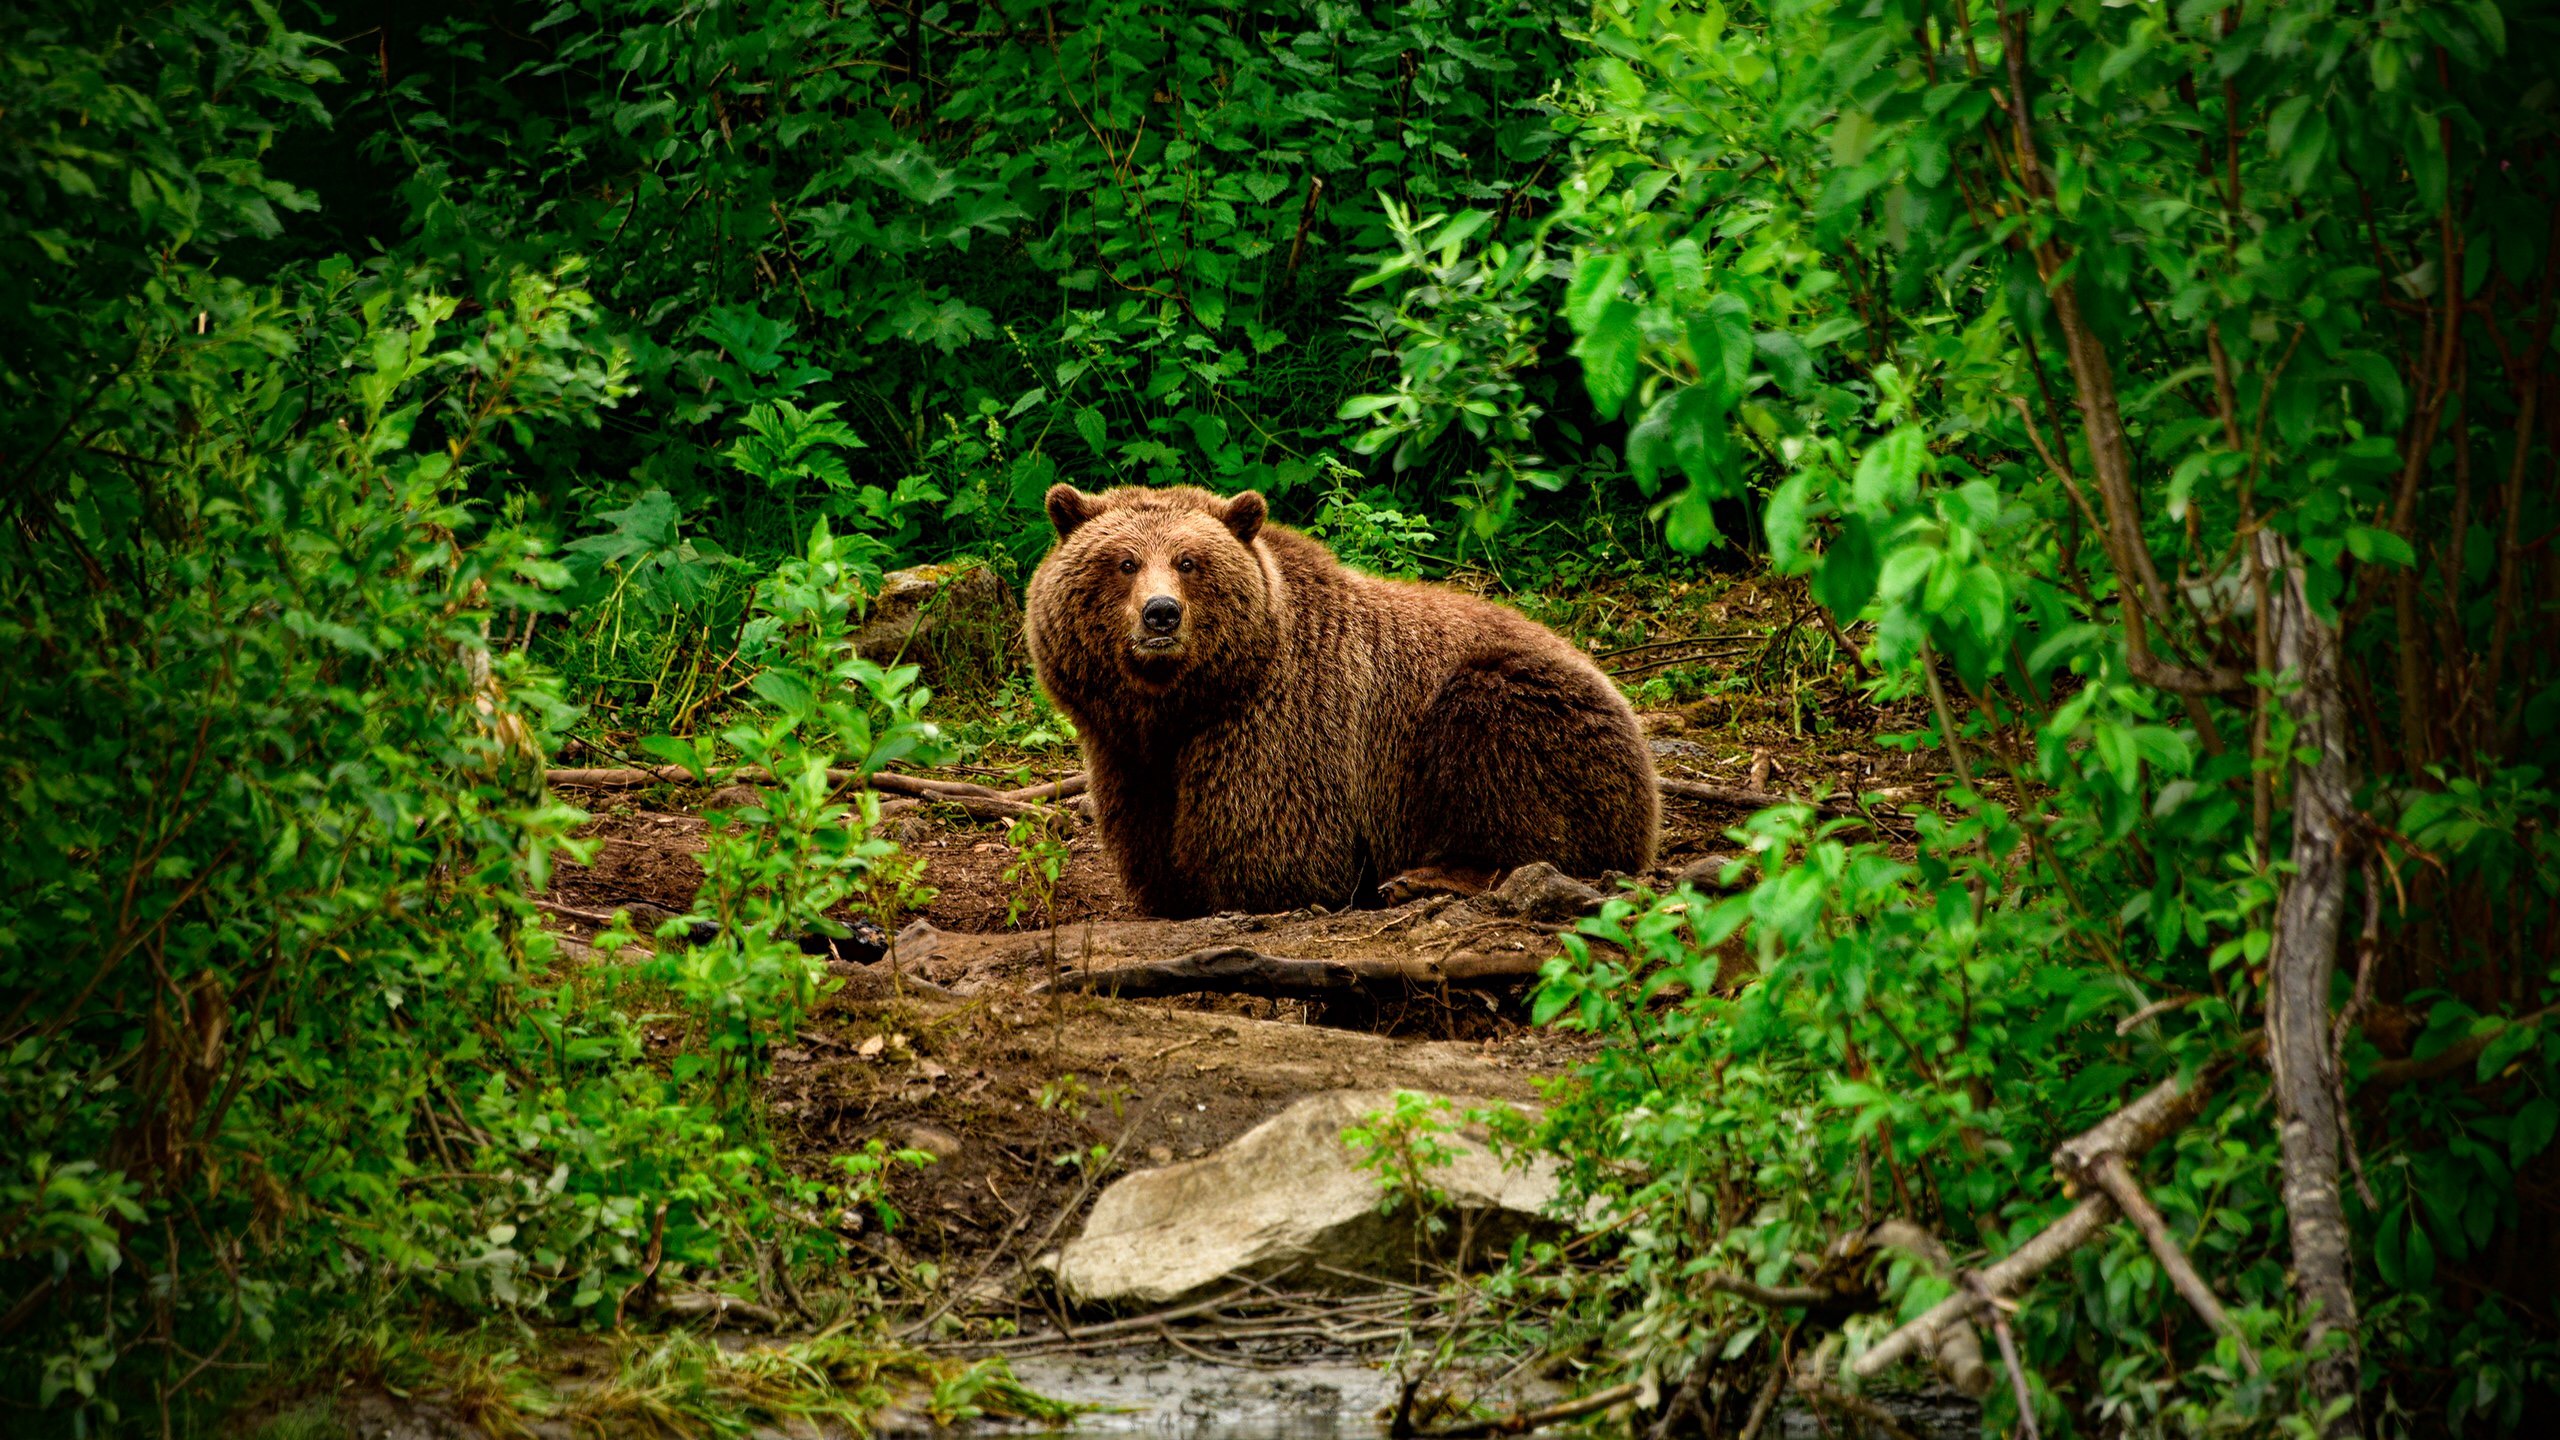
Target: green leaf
1889, 473
1594, 289
1846, 579
784, 691
1611, 352
1790, 364
2529, 1134
676, 751
2381, 380
2380, 547
1691, 526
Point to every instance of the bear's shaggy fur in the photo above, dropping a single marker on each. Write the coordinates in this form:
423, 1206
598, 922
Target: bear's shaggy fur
1304, 731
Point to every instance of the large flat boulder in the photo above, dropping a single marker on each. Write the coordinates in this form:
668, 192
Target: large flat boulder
1289, 1194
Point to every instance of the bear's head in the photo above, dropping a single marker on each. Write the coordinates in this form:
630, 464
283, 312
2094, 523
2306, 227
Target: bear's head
1151, 594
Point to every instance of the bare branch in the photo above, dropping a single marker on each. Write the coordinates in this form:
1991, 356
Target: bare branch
2116, 1179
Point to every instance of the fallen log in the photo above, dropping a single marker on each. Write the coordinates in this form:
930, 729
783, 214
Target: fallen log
1241, 970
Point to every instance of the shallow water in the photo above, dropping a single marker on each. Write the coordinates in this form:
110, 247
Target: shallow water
1176, 1397
1179, 1398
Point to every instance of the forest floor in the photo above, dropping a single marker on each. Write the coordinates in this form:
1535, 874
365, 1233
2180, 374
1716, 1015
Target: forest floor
1015, 1092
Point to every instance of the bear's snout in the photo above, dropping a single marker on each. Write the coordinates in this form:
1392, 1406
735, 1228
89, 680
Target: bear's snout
1161, 615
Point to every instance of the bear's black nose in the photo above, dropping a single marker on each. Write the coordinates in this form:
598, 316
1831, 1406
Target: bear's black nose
1161, 614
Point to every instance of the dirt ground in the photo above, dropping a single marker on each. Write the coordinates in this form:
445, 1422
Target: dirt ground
948, 1049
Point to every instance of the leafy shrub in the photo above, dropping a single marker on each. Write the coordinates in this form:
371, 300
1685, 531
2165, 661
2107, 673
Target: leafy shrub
2135, 372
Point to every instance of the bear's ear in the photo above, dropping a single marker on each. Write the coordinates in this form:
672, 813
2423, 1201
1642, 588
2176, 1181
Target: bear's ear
1069, 507
1245, 514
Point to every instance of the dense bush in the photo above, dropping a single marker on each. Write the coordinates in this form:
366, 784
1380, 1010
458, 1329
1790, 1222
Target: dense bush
1008, 243
2166, 387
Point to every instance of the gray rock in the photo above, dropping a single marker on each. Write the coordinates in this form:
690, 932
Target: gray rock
958, 622
1288, 1194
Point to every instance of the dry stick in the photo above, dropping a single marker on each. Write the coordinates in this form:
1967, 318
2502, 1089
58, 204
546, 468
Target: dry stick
1522, 1422
1957, 1352
2010, 1361
1766, 1401
1776, 1297
1625, 650
625, 776
1140, 1325
1749, 798
2078, 1225
2117, 1180
982, 807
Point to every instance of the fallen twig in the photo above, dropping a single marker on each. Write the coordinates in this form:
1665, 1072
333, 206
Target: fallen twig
1765, 1402
1239, 970
982, 801
696, 1303
1524, 1421
1746, 798
983, 807
1776, 1297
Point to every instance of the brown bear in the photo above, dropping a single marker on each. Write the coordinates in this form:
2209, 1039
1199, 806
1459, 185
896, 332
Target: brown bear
1267, 730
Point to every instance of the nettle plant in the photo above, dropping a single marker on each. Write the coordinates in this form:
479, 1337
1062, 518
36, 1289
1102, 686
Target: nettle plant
779, 868
2163, 390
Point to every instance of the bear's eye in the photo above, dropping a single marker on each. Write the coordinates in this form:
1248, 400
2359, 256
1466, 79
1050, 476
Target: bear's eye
1183, 564
1129, 566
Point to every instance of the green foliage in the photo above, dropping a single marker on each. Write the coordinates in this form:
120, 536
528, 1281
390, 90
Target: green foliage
2025, 337
280, 1037
776, 869
1369, 533
1096, 240
1402, 1145
1872, 267
1040, 858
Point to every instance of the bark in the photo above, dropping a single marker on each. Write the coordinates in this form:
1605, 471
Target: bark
2298, 976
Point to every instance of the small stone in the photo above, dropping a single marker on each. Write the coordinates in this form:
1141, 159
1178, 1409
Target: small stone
939, 1143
